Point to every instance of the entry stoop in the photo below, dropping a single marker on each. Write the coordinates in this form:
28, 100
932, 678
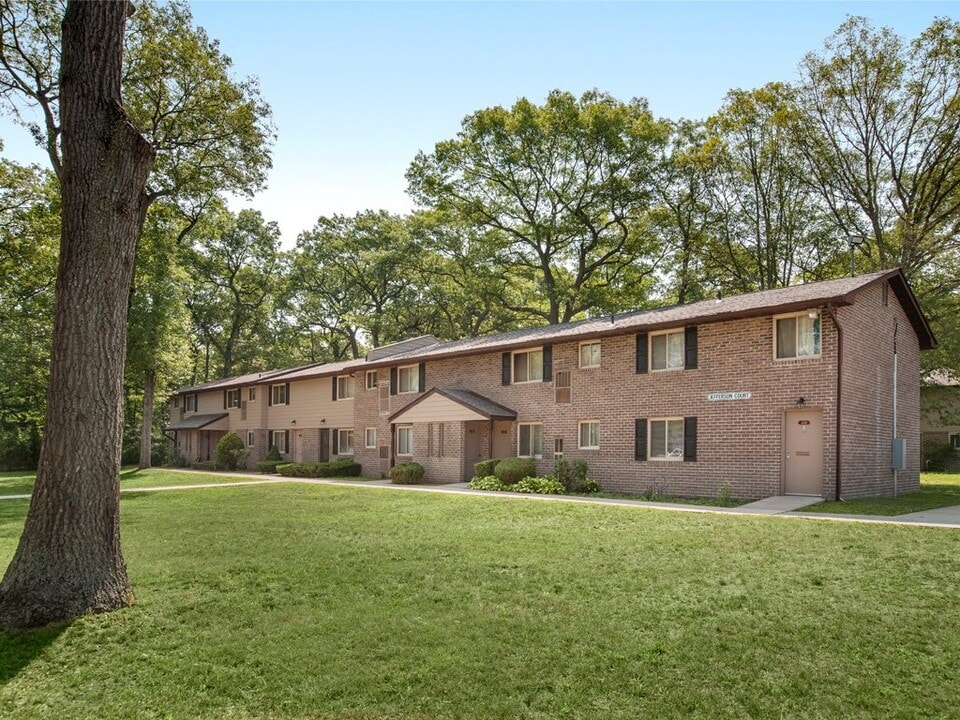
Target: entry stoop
780, 504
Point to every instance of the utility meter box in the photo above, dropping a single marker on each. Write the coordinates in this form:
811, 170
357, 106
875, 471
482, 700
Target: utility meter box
899, 454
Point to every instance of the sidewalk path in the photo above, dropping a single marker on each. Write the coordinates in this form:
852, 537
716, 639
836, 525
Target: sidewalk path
780, 506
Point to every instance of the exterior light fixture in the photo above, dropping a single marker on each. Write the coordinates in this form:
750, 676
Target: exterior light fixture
854, 241
801, 402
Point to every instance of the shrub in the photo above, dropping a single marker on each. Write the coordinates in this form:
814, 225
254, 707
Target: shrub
273, 454
488, 482
723, 494
268, 466
563, 473
337, 468
937, 455
579, 471
587, 486
485, 468
204, 465
178, 459
539, 485
231, 452
408, 473
513, 470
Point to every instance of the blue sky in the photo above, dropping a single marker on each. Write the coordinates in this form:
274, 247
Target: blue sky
358, 88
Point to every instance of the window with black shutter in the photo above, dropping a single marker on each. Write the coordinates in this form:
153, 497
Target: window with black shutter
643, 365
690, 347
690, 439
548, 363
640, 439
506, 372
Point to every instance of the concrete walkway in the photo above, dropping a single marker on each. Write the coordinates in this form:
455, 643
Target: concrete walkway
778, 506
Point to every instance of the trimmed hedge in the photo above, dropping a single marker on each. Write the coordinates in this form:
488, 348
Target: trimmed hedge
485, 468
408, 473
529, 485
204, 465
512, 470
337, 468
269, 466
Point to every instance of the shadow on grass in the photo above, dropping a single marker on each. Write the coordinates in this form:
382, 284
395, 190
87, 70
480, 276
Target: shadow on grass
18, 648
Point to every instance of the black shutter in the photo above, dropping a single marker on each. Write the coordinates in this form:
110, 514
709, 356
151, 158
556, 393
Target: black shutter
334, 392
423, 377
286, 393
642, 350
640, 439
270, 442
224, 399
690, 347
393, 380
548, 363
286, 441
690, 439
269, 397
505, 375
336, 442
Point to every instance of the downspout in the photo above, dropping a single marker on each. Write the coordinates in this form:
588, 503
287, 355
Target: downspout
831, 311
896, 328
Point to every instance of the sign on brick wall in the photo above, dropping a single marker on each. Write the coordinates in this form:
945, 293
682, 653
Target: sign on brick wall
719, 396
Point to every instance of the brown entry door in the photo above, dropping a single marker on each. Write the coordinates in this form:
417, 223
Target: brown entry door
474, 448
803, 452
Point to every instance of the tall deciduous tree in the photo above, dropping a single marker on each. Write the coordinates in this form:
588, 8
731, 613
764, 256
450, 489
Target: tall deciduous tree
69, 561
565, 186
211, 133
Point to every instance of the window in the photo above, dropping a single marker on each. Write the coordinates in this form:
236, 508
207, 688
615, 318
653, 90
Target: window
590, 435
558, 449
252, 394
371, 379
405, 440
530, 440
233, 398
278, 438
176, 401
666, 439
798, 335
528, 366
345, 441
666, 351
251, 438
561, 386
590, 354
345, 387
190, 403
408, 379
955, 441
278, 394
370, 438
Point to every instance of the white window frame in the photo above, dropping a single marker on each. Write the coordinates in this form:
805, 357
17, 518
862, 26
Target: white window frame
341, 444
810, 314
251, 438
412, 371
233, 398
513, 366
251, 394
278, 437
580, 426
370, 437
375, 380
954, 440
346, 387
405, 431
189, 400
590, 344
532, 448
276, 391
678, 455
683, 350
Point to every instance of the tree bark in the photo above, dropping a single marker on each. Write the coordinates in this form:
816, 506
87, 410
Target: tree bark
68, 562
146, 429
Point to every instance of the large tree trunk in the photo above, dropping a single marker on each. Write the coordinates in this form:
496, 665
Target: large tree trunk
146, 430
68, 561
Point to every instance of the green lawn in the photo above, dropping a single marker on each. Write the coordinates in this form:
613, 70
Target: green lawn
21, 482
295, 601
936, 490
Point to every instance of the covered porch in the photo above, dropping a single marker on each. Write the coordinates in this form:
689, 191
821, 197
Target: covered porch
195, 437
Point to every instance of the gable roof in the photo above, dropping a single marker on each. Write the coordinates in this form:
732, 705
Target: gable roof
465, 399
195, 422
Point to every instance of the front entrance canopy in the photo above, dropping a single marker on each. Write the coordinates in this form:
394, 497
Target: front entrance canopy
452, 405
215, 421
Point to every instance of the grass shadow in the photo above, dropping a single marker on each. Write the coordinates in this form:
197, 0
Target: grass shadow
19, 648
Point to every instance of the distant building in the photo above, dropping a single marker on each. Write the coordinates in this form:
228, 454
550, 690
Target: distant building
940, 423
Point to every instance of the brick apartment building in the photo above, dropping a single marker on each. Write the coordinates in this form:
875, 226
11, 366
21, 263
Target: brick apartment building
797, 390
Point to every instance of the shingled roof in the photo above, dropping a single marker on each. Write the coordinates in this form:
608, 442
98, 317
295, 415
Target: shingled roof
837, 292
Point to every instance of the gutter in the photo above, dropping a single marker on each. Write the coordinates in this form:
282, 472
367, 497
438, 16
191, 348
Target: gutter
831, 311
